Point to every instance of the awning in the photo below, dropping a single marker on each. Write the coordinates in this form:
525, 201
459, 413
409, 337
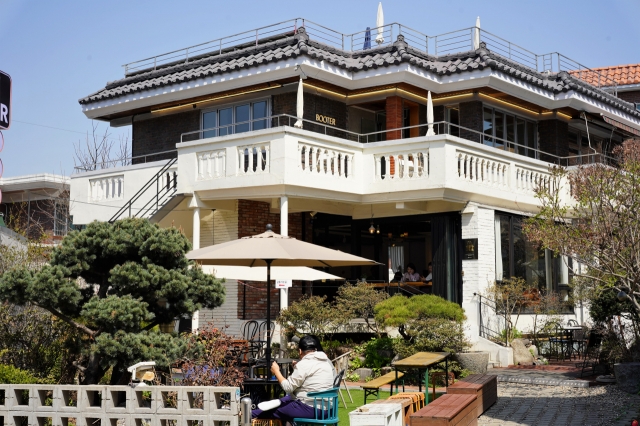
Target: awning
621, 126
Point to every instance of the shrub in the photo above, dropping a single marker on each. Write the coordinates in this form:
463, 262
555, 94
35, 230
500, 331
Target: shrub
378, 352
312, 315
359, 301
431, 335
12, 375
399, 310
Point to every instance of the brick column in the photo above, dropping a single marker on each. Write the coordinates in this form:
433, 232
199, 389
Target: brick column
471, 118
553, 137
394, 109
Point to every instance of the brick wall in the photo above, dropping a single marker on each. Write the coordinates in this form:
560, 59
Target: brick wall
395, 110
253, 217
471, 118
285, 103
162, 134
553, 138
633, 96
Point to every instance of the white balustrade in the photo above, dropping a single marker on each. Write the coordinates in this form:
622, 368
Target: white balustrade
108, 188
211, 164
529, 180
402, 166
488, 171
253, 159
325, 161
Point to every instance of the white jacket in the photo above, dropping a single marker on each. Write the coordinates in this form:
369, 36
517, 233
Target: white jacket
314, 372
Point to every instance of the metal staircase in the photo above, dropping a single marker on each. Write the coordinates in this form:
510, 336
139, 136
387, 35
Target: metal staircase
161, 191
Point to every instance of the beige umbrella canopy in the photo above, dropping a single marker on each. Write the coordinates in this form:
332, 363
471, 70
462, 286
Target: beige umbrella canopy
271, 249
259, 273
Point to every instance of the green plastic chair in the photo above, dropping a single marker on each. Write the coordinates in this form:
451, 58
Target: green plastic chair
325, 404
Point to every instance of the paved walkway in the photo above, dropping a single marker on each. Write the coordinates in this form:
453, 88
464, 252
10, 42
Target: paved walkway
542, 375
543, 405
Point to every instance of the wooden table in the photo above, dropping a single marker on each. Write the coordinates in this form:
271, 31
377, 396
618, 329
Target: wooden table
422, 361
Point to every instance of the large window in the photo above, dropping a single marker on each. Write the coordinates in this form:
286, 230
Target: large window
579, 150
500, 128
518, 257
237, 118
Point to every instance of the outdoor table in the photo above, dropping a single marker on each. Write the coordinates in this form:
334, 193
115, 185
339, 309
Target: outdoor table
571, 329
266, 388
422, 361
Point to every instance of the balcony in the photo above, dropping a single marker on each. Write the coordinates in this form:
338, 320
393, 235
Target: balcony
421, 174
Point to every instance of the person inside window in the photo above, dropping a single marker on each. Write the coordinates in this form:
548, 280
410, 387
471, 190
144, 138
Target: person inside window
314, 372
429, 276
411, 275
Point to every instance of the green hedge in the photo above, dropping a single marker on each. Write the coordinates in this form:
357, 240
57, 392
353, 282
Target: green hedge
12, 375
398, 310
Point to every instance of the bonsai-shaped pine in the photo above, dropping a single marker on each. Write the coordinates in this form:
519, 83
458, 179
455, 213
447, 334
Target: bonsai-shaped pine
115, 283
425, 322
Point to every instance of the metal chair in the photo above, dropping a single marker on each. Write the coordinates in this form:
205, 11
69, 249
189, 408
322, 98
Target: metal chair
592, 354
572, 323
325, 404
260, 340
341, 364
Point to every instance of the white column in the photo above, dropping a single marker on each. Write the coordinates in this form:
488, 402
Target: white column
196, 228
284, 230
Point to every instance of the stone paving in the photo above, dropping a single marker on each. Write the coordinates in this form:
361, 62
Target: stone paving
542, 405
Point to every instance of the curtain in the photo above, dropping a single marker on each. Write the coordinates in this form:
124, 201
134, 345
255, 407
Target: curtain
498, 236
396, 255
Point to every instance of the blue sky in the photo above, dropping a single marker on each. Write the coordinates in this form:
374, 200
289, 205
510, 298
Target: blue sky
59, 51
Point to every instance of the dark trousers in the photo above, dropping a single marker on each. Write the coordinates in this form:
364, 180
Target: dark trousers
289, 409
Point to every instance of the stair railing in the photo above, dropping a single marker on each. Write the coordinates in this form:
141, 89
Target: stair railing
164, 190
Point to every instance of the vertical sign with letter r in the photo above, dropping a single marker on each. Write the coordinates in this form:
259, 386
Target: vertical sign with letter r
5, 100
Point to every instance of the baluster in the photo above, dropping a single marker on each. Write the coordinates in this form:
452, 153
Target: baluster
241, 160
378, 167
301, 152
250, 169
267, 161
121, 187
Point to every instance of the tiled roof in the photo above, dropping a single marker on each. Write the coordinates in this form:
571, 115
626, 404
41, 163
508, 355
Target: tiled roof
621, 74
291, 46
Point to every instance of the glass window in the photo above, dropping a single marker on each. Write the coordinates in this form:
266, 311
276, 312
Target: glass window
243, 117
487, 126
520, 136
226, 119
499, 129
454, 118
209, 121
531, 139
511, 131
259, 111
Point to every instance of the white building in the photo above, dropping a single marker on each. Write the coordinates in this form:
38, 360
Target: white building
215, 151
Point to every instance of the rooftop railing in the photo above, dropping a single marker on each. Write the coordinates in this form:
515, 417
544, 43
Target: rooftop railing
443, 44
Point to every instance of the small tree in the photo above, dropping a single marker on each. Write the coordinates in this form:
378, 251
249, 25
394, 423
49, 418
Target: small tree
115, 283
359, 301
425, 322
312, 315
600, 225
510, 297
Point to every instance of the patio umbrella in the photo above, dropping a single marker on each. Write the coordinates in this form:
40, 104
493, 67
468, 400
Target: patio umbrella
271, 249
476, 35
367, 39
299, 105
380, 24
259, 273
430, 131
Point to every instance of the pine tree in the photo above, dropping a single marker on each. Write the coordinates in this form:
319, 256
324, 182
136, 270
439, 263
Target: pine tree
115, 283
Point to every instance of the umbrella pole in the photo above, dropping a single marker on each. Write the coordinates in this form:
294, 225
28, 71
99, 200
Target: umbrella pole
268, 350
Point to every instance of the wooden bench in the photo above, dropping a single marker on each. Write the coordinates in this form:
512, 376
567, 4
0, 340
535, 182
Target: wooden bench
406, 402
448, 410
373, 387
484, 386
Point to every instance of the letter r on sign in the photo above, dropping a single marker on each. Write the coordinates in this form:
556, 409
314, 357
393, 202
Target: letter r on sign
3, 113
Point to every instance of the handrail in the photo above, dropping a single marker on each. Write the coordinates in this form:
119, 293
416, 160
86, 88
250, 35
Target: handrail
451, 42
127, 160
155, 179
485, 331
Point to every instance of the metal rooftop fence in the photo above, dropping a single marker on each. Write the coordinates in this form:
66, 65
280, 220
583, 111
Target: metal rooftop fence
443, 44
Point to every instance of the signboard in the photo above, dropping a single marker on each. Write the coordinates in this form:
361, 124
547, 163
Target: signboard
5, 100
284, 283
470, 249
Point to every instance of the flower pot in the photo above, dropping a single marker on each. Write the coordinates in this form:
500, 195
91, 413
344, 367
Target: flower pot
476, 362
628, 376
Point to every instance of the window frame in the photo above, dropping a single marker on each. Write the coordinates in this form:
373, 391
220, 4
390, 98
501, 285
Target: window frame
233, 125
505, 114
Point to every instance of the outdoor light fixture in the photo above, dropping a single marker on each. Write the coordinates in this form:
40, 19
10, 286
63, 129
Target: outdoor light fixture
372, 229
622, 296
378, 229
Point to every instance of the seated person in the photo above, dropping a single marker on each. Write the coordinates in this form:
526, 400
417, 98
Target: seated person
314, 372
411, 275
429, 276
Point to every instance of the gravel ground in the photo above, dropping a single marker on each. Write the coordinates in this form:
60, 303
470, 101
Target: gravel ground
539, 405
